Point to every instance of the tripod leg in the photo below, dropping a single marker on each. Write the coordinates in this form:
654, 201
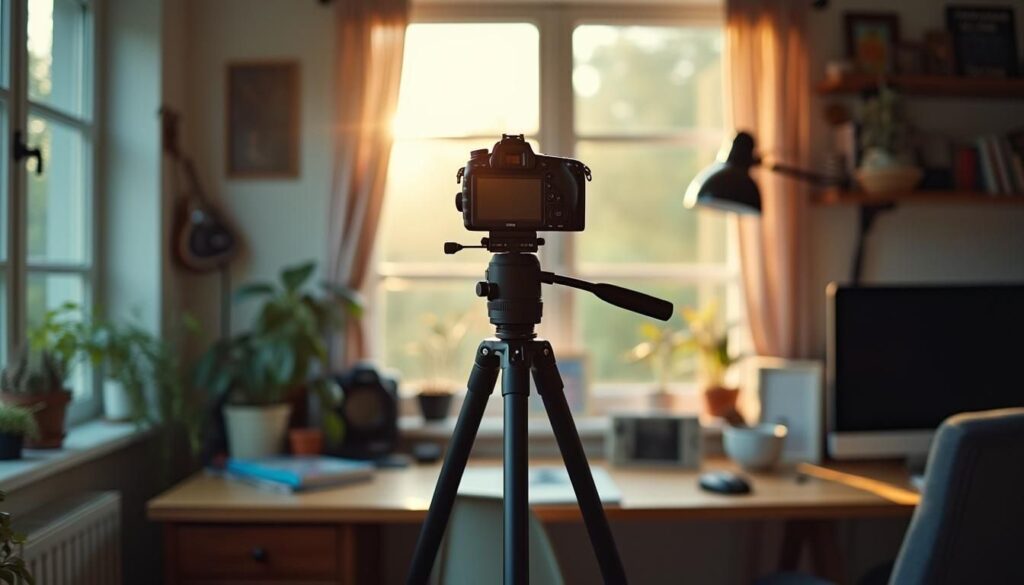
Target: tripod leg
480, 387
515, 389
549, 386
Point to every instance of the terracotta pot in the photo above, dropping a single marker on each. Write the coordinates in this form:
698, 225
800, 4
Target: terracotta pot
49, 410
720, 401
435, 405
306, 441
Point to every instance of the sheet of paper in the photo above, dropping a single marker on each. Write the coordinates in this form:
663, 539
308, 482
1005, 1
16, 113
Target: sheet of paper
548, 485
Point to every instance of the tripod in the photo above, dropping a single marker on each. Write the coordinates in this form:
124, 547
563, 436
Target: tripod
514, 306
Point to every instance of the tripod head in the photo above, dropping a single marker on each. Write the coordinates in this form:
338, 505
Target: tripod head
512, 286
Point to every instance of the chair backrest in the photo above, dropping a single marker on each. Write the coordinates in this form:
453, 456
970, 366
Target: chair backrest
472, 549
969, 526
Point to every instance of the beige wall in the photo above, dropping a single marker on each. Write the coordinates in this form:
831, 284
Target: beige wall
916, 243
283, 221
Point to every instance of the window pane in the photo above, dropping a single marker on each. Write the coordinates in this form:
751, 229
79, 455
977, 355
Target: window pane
57, 198
469, 79
407, 313
3, 316
635, 206
608, 332
630, 79
56, 54
5, 55
49, 291
4, 157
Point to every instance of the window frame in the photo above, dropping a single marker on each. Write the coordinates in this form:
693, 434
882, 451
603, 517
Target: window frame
16, 266
557, 134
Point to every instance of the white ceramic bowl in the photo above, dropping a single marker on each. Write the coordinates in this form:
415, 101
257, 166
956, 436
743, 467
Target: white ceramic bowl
756, 447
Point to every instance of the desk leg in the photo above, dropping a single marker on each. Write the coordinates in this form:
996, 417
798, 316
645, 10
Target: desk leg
822, 537
170, 534
360, 554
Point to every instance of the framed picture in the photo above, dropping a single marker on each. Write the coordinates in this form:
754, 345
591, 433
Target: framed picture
263, 119
791, 393
574, 367
984, 40
871, 40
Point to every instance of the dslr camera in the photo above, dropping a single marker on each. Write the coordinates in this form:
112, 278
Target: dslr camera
512, 189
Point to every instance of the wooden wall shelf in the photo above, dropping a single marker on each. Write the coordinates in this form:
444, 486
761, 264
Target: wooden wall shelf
835, 197
929, 85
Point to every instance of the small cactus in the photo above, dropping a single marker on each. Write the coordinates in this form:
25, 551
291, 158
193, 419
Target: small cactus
33, 373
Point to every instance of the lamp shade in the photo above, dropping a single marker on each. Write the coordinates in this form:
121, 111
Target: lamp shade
726, 184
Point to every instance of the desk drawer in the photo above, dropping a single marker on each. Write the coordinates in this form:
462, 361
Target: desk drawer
244, 551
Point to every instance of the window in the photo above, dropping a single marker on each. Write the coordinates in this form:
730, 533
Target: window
46, 253
637, 96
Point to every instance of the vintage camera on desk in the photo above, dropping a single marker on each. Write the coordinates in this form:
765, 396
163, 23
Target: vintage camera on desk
512, 189
369, 412
661, 440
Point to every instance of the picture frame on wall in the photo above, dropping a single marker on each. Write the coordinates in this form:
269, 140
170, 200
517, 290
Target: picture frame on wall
984, 40
262, 102
574, 367
791, 393
872, 39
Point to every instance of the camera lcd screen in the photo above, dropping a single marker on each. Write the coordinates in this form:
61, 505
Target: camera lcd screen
508, 199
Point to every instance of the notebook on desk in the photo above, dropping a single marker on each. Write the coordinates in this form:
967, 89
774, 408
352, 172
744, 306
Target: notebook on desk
548, 485
298, 473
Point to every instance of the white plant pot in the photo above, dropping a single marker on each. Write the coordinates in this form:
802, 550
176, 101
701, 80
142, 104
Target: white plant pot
256, 431
116, 404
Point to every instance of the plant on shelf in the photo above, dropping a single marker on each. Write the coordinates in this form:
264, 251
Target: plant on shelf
710, 340
35, 380
13, 570
438, 351
16, 423
664, 350
886, 165
283, 353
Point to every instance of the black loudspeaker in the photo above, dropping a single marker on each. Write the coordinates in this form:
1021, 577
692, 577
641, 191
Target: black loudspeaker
369, 411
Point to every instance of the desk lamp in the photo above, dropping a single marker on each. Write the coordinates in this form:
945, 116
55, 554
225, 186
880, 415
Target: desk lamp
726, 185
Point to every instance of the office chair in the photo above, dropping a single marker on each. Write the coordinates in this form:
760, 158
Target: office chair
969, 525
472, 548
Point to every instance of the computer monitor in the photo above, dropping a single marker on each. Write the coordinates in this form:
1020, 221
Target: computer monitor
903, 358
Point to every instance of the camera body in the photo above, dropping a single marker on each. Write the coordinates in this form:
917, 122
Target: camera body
513, 189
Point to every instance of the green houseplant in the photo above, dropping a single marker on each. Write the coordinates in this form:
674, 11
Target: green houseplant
710, 341
438, 350
260, 369
663, 349
13, 570
886, 165
16, 423
35, 380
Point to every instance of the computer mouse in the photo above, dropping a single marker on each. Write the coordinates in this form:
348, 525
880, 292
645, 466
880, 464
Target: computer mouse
724, 482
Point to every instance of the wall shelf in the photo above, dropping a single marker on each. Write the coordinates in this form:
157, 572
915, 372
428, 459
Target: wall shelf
838, 197
929, 85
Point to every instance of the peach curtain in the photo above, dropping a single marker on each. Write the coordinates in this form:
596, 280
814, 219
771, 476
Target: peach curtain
370, 44
767, 61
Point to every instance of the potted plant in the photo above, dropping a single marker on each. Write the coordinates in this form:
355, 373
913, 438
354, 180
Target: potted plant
710, 340
438, 351
662, 349
35, 380
16, 423
886, 165
259, 369
13, 570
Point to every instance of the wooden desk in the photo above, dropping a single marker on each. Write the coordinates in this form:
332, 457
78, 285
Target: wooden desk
218, 529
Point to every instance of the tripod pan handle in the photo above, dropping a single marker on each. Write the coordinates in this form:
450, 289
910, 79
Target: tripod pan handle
632, 300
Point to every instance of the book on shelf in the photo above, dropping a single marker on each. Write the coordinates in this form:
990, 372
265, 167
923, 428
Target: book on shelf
298, 473
1001, 161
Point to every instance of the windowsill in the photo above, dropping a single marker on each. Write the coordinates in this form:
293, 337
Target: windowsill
84, 443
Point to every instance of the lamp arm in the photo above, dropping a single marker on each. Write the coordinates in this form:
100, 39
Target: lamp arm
809, 176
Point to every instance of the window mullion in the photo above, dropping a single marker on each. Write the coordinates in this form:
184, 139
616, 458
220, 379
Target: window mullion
16, 179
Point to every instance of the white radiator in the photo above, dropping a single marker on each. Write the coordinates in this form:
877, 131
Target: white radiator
76, 541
